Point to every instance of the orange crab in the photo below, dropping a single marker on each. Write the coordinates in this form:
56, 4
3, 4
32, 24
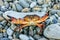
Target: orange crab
30, 20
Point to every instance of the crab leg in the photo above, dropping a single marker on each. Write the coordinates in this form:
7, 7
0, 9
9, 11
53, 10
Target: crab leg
22, 26
41, 27
42, 19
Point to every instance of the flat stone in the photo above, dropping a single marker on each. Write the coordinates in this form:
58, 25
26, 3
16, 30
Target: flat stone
18, 7
24, 3
52, 31
32, 4
9, 31
23, 37
42, 38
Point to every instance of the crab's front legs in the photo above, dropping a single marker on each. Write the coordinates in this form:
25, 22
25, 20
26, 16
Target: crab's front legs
41, 26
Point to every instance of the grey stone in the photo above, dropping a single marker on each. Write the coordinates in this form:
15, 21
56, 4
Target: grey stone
58, 13
3, 9
23, 37
9, 31
33, 4
13, 6
24, 3
42, 38
52, 31
5, 39
18, 7
31, 38
37, 37
58, 19
40, 1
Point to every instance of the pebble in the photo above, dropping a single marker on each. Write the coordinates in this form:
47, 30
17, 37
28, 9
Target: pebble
52, 31
33, 4
18, 7
26, 10
37, 37
42, 38
5, 39
9, 31
31, 38
58, 19
24, 3
23, 37
58, 13
40, 2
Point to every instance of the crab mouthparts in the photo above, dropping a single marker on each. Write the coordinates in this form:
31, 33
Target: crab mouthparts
31, 23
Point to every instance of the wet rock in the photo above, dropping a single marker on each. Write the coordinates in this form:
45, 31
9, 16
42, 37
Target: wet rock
42, 38
23, 37
3, 9
6, 4
51, 39
40, 2
18, 7
52, 31
14, 37
9, 31
36, 8
26, 10
37, 37
13, 6
1, 18
53, 19
1, 2
30, 38
58, 19
58, 13
33, 4
5, 39
1, 35
24, 3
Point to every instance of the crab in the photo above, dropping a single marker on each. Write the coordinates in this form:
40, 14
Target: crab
29, 20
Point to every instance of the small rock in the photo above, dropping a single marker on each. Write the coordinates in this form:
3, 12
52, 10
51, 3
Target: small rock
30, 38
18, 7
13, 6
5, 39
37, 37
52, 31
58, 13
42, 38
58, 19
24, 3
40, 1
23, 37
9, 31
33, 4
25, 10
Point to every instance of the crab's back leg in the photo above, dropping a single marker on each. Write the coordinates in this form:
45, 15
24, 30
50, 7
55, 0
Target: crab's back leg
41, 27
